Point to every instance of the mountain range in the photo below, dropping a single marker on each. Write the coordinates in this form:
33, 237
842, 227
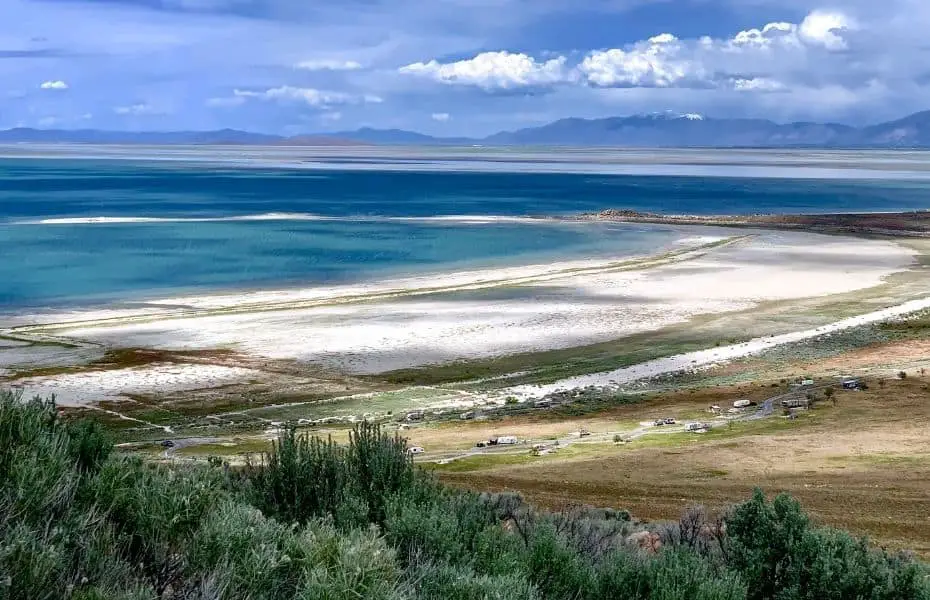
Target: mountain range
650, 130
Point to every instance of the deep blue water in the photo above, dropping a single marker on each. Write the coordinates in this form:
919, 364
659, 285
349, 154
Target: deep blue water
47, 188
54, 264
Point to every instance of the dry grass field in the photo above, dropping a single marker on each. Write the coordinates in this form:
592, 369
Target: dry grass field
862, 464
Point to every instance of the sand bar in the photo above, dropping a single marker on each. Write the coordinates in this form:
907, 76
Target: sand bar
424, 321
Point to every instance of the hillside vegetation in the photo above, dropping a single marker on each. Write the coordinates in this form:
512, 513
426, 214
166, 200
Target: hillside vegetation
317, 520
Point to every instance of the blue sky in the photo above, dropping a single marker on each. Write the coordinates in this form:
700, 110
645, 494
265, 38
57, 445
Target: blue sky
453, 67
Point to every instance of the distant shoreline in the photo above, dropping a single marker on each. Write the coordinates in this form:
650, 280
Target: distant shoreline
891, 224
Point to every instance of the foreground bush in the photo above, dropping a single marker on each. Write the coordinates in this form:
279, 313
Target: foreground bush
315, 520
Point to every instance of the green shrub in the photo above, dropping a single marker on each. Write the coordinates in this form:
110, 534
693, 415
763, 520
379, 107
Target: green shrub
447, 582
558, 571
339, 566
244, 547
304, 477
682, 575
155, 510
89, 444
780, 555
672, 575
315, 520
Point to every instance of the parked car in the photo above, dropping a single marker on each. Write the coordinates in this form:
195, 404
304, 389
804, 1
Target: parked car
167, 444
415, 450
481, 445
669, 421
584, 433
658, 422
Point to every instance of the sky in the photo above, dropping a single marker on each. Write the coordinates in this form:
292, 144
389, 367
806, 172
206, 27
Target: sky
454, 67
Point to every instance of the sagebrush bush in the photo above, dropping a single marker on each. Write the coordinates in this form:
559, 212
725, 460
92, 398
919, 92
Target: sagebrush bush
448, 582
313, 520
305, 477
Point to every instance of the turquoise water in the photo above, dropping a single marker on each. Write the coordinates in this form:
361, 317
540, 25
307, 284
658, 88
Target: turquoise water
224, 227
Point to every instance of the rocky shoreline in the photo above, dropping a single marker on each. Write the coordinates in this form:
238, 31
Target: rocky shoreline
902, 224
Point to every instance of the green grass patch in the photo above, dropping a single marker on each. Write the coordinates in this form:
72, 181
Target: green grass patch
481, 462
735, 429
230, 448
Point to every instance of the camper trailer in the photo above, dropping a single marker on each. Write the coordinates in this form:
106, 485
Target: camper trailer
851, 384
694, 427
795, 403
742, 404
507, 440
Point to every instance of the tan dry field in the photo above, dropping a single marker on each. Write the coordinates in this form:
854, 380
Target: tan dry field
863, 464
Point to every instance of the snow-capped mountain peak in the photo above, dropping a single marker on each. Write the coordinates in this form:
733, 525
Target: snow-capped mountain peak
670, 115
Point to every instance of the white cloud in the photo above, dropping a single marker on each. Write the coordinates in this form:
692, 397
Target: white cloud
754, 60
48, 122
781, 33
329, 65
757, 60
331, 117
493, 71
826, 29
54, 85
441, 117
136, 110
658, 62
309, 96
757, 84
